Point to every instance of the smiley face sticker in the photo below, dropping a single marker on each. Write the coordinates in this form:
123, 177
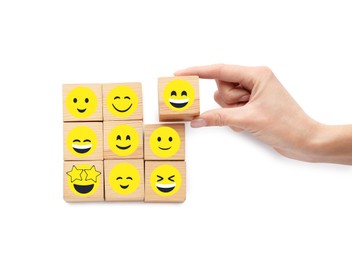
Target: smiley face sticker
122, 101
178, 95
123, 140
81, 102
83, 180
164, 141
81, 141
124, 178
165, 180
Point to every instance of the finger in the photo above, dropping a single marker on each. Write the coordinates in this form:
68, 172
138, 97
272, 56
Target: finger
233, 117
230, 73
232, 94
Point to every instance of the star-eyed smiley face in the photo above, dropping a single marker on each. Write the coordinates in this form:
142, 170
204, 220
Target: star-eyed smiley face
178, 94
81, 102
83, 180
124, 178
123, 140
122, 101
81, 141
165, 141
165, 180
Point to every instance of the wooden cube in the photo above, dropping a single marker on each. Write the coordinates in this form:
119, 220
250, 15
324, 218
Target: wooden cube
178, 98
164, 142
83, 181
83, 141
123, 139
122, 101
124, 180
82, 102
165, 181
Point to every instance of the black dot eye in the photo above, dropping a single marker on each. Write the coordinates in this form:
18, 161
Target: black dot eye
159, 139
128, 137
184, 93
170, 139
75, 100
173, 93
86, 100
118, 137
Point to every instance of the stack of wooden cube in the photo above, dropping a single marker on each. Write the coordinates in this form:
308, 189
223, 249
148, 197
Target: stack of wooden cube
108, 156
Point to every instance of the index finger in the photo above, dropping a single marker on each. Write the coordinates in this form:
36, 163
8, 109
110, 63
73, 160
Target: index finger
230, 73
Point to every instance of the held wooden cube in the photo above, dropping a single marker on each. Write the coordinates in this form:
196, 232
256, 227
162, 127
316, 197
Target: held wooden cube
83, 141
164, 142
165, 181
83, 181
124, 180
178, 98
82, 102
123, 101
123, 139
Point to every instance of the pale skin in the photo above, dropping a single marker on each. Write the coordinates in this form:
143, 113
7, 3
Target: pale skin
253, 100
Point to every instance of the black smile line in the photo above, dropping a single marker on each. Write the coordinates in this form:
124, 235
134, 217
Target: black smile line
164, 148
178, 105
124, 186
81, 110
81, 150
123, 147
166, 190
122, 111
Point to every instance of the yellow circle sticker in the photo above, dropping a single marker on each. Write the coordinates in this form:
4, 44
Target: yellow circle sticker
178, 95
81, 102
124, 178
81, 141
123, 140
165, 180
122, 101
83, 180
165, 141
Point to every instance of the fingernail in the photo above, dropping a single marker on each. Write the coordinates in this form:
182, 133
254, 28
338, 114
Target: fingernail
244, 98
178, 72
197, 123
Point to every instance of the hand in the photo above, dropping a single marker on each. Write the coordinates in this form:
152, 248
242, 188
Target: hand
253, 100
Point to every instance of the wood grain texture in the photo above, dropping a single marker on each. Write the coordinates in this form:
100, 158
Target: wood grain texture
109, 126
167, 114
148, 152
71, 196
110, 194
151, 195
96, 116
138, 113
97, 154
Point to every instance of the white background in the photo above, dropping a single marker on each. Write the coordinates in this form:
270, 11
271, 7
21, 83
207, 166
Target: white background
244, 201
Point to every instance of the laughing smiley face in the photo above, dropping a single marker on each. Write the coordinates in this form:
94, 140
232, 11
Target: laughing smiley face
165, 180
122, 101
81, 141
81, 102
178, 95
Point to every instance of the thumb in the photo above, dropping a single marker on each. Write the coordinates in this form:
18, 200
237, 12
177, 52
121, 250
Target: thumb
233, 117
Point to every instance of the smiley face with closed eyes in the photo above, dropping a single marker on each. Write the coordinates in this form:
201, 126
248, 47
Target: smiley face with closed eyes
123, 140
122, 101
81, 141
165, 180
178, 94
124, 178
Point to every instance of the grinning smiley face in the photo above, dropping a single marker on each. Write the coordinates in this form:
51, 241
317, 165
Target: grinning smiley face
165, 141
178, 95
165, 180
83, 179
122, 101
124, 178
81, 102
123, 140
81, 141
